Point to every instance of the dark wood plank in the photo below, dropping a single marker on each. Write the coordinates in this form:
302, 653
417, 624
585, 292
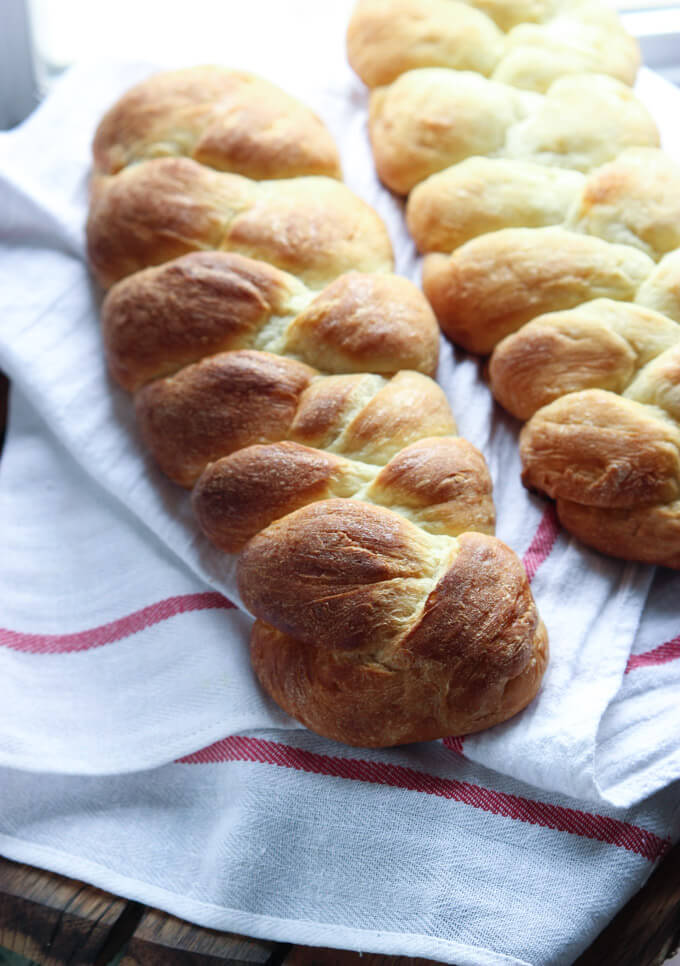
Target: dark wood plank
647, 930
309, 956
163, 940
52, 920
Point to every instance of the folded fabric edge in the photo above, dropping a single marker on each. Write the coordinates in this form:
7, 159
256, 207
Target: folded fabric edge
306, 932
631, 791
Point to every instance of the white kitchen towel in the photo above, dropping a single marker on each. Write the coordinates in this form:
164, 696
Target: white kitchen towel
115, 653
293, 838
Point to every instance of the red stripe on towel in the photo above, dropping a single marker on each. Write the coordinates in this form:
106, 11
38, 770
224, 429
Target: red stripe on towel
576, 822
670, 651
115, 630
454, 744
543, 542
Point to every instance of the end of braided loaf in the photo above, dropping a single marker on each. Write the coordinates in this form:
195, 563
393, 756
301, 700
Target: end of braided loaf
226, 119
372, 633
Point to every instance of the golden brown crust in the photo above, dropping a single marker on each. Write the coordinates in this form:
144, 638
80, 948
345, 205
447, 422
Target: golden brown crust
368, 705
661, 290
460, 650
563, 257
370, 418
599, 345
544, 361
156, 211
595, 448
243, 397
441, 484
494, 284
161, 319
559, 132
239, 495
481, 195
649, 534
472, 619
609, 461
367, 323
216, 406
229, 120
432, 118
407, 408
328, 404
658, 384
332, 572
386, 38
315, 228
634, 200
326, 566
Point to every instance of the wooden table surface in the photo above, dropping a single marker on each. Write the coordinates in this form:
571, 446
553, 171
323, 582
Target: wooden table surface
55, 921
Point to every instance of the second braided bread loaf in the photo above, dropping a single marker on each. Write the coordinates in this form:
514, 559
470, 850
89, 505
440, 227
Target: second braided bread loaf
549, 222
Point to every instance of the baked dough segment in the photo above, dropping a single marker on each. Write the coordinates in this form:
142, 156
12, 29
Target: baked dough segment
575, 308
430, 119
227, 119
527, 44
428, 635
312, 227
283, 374
495, 283
160, 319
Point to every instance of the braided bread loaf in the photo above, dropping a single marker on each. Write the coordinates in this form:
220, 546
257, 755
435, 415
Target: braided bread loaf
309, 428
568, 231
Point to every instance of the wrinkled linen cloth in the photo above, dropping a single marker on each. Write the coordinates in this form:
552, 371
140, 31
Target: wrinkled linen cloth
124, 668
